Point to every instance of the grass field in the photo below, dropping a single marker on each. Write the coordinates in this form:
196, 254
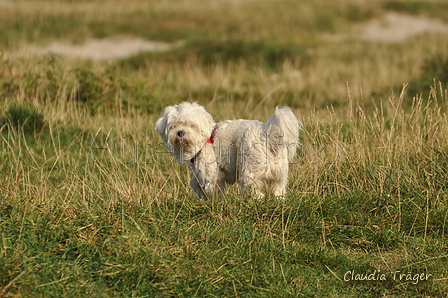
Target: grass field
91, 205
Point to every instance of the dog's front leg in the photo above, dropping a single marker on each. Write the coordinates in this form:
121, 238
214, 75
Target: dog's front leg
203, 183
197, 188
205, 174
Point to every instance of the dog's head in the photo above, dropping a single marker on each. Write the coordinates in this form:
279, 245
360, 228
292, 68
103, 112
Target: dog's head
184, 129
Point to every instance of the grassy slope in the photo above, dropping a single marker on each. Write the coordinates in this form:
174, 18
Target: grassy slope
367, 193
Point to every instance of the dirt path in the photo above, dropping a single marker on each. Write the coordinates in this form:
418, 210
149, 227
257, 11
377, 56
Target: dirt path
104, 49
394, 27
6, 3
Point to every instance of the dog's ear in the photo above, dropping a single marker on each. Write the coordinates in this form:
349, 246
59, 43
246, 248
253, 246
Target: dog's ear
206, 123
163, 121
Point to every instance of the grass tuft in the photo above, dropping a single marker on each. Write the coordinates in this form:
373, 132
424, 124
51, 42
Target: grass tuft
434, 72
24, 118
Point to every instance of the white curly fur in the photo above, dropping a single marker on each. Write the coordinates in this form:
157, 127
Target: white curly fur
250, 152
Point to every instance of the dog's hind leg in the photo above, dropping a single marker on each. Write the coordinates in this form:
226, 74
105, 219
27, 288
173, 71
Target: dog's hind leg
277, 188
278, 182
252, 185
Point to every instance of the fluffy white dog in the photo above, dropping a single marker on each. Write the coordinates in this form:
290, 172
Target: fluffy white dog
250, 152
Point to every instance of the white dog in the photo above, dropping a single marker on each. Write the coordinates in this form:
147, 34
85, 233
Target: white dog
253, 153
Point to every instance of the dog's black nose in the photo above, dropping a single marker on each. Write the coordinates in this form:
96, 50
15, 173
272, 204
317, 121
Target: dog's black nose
180, 133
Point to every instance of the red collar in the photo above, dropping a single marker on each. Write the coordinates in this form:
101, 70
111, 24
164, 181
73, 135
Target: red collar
210, 140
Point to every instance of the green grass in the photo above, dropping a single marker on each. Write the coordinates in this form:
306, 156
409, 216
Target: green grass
211, 52
91, 205
432, 8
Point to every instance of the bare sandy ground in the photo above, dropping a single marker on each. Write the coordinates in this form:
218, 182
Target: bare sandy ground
105, 49
394, 27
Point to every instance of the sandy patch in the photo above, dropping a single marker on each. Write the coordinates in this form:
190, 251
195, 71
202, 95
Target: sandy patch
393, 27
104, 49
6, 3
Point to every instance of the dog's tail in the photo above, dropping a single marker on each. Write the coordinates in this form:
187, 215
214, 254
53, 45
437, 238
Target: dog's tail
282, 131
